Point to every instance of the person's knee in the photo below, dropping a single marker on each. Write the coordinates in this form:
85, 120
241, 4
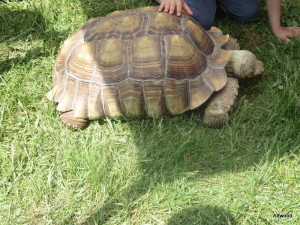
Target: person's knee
204, 12
247, 14
207, 24
205, 21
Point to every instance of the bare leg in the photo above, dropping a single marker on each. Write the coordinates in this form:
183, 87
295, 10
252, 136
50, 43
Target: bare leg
218, 109
74, 123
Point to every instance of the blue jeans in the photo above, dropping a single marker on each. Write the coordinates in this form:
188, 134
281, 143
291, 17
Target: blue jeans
240, 10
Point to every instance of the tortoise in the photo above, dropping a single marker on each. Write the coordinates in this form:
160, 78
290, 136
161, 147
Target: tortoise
142, 63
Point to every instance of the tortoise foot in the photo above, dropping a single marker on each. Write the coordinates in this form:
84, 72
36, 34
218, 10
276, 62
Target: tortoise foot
68, 119
217, 111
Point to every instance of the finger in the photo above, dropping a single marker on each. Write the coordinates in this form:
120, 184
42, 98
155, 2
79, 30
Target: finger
178, 8
296, 33
167, 7
294, 28
297, 30
162, 6
286, 37
292, 33
187, 9
172, 8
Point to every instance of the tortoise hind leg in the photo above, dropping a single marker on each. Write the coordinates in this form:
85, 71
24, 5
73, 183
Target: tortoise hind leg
218, 109
68, 119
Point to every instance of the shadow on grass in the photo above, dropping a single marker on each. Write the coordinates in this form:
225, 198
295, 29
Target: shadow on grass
19, 29
195, 215
202, 214
181, 149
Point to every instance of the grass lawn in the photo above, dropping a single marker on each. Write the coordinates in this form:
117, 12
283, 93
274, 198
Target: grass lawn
166, 171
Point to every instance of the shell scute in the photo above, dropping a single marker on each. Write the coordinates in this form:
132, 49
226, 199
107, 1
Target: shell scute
81, 61
200, 37
155, 105
111, 64
184, 60
131, 26
148, 9
164, 24
60, 83
80, 106
95, 105
112, 106
220, 58
147, 59
101, 30
131, 94
67, 98
199, 92
117, 13
124, 27
176, 96
216, 78
60, 61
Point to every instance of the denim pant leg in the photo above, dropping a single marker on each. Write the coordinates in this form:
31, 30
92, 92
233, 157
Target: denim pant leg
241, 10
204, 11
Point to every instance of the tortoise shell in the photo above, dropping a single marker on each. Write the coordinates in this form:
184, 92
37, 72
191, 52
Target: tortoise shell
138, 63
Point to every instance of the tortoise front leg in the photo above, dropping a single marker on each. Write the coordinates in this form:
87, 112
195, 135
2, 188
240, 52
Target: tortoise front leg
218, 109
68, 119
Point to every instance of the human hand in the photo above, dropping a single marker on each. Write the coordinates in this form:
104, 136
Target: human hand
170, 6
286, 33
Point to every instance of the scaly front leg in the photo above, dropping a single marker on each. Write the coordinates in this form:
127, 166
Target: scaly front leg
68, 119
217, 111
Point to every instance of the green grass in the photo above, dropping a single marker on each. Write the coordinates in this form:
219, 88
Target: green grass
166, 171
